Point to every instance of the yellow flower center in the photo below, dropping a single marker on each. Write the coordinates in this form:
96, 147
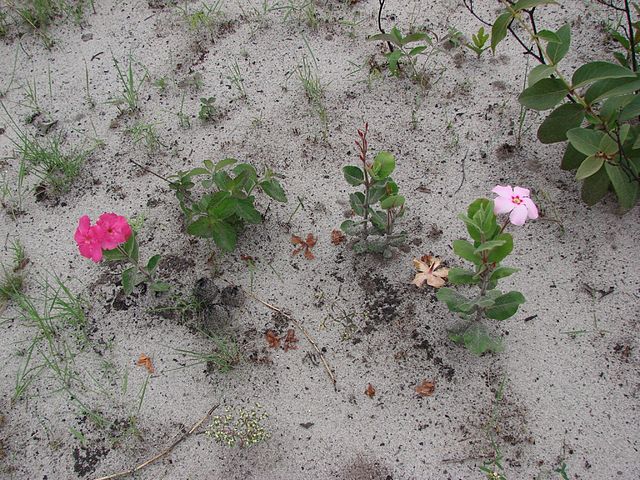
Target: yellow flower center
516, 199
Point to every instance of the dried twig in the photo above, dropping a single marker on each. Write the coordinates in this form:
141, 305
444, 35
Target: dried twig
165, 452
298, 325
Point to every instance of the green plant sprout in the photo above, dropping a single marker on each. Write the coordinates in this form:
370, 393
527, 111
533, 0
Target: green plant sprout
479, 40
129, 97
490, 245
403, 53
208, 110
379, 189
222, 213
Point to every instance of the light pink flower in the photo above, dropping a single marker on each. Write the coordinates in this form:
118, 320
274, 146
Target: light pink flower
516, 202
116, 230
89, 239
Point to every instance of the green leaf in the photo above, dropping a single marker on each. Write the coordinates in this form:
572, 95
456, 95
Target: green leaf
383, 165
222, 208
415, 37
499, 253
208, 164
273, 188
555, 126
392, 201
608, 145
203, 228
590, 166
245, 210
489, 245
626, 189
393, 58
476, 339
632, 109
539, 72
378, 218
160, 287
357, 200
198, 171
612, 107
131, 247
376, 192
128, 280
595, 187
417, 50
544, 94
585, 140
502, 272
572, 158
611, 87
466, 250
590, 72
153, 263
455, 302
461, 276
499, 30
223, 163
224, 235
549, 36
505, 306
526, 4
557, 51
350, 227
353, 175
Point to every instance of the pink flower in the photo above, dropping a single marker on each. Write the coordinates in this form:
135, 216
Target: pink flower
116, 230
89, 239
516, 202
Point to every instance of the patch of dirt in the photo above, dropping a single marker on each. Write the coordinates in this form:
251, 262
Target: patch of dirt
87, 458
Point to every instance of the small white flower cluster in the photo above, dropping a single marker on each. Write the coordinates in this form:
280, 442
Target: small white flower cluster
239, 426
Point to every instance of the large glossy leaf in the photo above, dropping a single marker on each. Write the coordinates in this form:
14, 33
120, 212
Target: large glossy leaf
383, 165
544, 94
631, 110
562, 119
626, 189
505, 306
590, 72
539, 72
572, 158
589, 167
595, 187
611, 87
466, 250
499, 30
557, 51
500, 252
585, 140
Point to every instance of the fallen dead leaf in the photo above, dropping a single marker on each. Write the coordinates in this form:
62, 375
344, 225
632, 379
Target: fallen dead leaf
337, 237
304, 245
290, 340
146, 362
426, 388
272, 339
370, 391
430, 271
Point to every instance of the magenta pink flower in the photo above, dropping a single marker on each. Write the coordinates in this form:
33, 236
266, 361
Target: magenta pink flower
516, 202
115, 228
89, 239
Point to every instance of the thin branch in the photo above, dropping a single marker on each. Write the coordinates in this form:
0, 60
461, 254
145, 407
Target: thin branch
381, 2
632, 39
165, 452
298, 325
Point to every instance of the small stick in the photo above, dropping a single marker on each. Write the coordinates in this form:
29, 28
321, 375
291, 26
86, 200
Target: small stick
298, 325
164, 452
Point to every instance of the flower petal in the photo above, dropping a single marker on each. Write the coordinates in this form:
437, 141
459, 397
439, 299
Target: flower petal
420, 279
501, 191
502, 205
518, 215
434, 281
442, 272
521, 192
420, 266
532, 210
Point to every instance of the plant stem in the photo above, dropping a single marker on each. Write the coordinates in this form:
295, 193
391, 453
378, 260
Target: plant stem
136, 264
632, 40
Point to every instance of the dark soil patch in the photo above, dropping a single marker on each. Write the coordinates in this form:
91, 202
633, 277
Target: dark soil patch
87, 458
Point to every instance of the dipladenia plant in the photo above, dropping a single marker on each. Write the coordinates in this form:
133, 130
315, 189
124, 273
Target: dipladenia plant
229, 203
596, 109
380, 190
113, 239
489, 246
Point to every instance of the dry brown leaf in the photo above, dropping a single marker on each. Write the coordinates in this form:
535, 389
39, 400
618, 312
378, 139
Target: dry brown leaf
337, 237
146, 362
304, 245
430, 271
290, 340
370, 391
426, 388
272, 339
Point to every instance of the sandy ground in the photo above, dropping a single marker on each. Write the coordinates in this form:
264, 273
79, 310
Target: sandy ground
569, 398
